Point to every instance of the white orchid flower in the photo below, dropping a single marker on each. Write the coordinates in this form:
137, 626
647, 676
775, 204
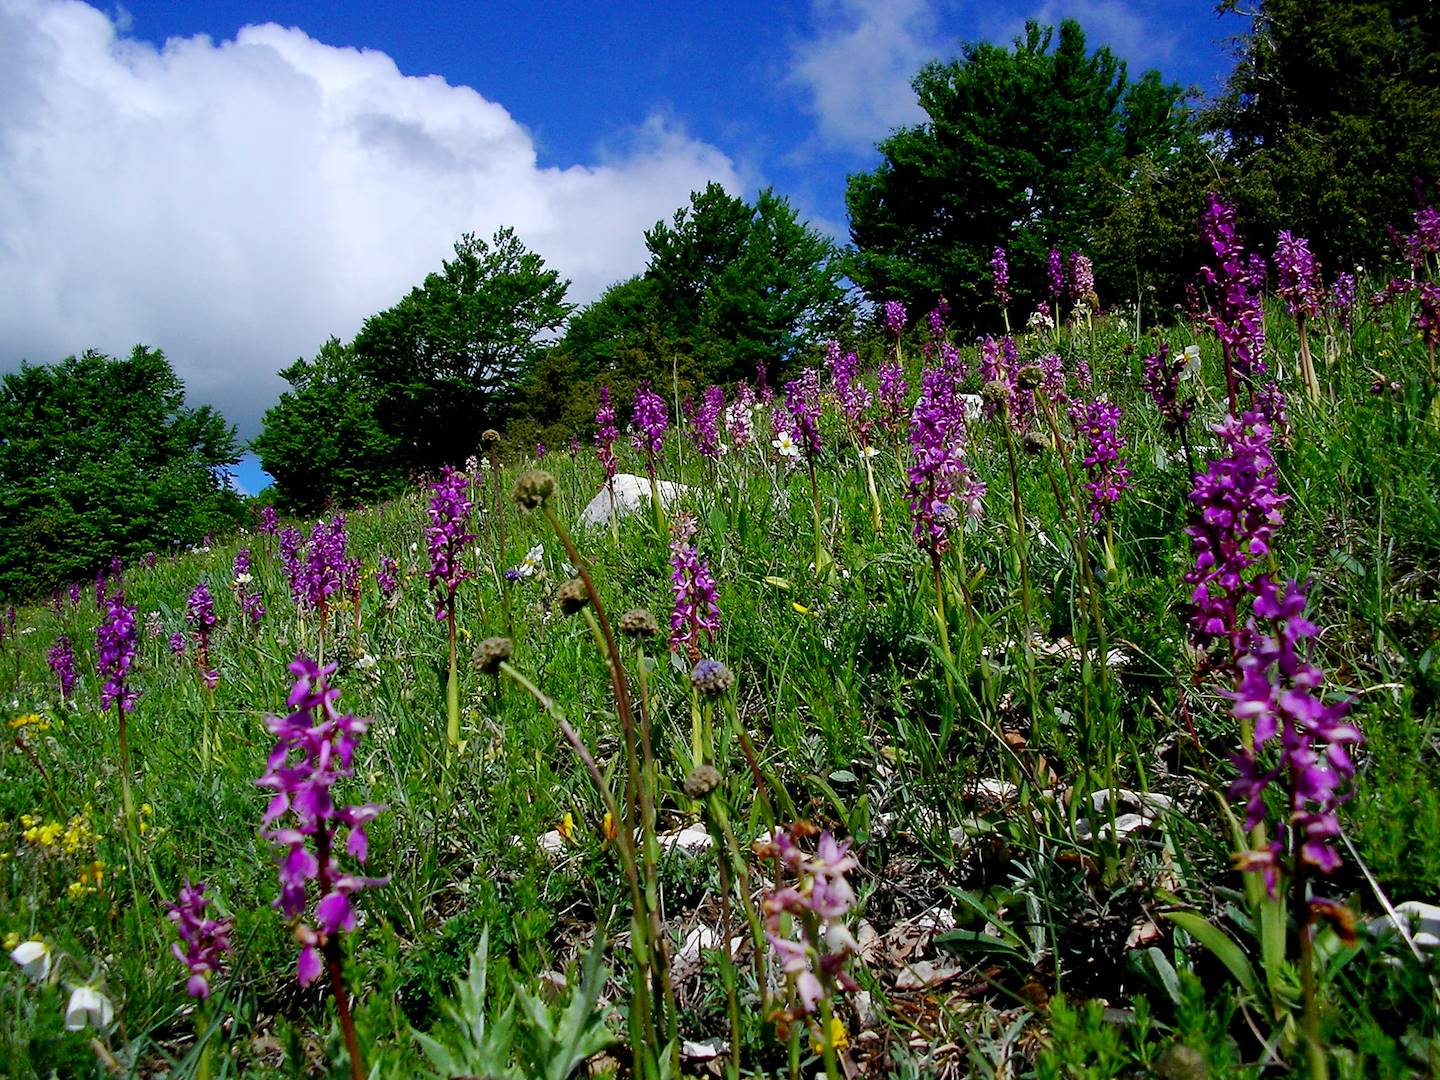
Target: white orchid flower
33, 957
88, 1007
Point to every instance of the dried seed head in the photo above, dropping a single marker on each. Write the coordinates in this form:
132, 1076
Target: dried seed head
491, 653
1031, 377
996, 392
703, 779
711, 677
489, 437
533, 490
571, 596
638, 623
1036, 442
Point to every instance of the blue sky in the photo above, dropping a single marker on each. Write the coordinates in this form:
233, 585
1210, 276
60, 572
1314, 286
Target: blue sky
234, 182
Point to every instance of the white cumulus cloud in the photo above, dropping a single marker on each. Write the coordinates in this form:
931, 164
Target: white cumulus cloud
236, 203
855, 72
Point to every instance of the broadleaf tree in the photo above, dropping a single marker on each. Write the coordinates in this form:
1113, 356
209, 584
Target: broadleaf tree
101, 457
1025, 147
448, 359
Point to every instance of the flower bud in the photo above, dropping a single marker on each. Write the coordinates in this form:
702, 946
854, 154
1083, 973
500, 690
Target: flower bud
1036, 442
638, 623
533, 490
1031, 377
491, 653
572, 596
703, 779
489, 437
711, 677
996, 392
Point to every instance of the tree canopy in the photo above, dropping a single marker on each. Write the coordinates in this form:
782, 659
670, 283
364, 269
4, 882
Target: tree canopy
101, 458
738, 284
447, 360
1331, 115
1024, 148
322, 439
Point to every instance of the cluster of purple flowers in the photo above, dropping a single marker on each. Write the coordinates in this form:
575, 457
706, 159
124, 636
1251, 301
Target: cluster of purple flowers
1342, 298
269, 521
737, 417
325, 741
895, 317
1161, 379
115, 640
1109, 472
200, 614
385, 576
939, 478
1055, 273
892, 390
61, 659
853, 395
447, 536
937, 318
697, 608
651, 419
606, 433
251, 603
1279, 695
1239, 508
814, 953
705, 423
1298, 276
1235, 315
1082, 277
1425, 240
177, 644
802, 404
1000, 274
206, 940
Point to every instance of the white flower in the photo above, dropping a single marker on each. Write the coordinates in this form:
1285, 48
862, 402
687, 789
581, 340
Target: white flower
869, 452
786, 445
242, 579
88, 1006
33, 957
367, 663
414, 547
531, 564
1190, 366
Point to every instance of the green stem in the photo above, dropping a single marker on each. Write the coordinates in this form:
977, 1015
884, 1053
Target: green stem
452, 686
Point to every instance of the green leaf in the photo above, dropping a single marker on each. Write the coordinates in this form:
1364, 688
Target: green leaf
1221, 944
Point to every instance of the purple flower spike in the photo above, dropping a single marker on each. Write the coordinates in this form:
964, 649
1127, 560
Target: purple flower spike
269, 521
895, 317
651, 419
1099, 422
1000, 274
1234, 315
62, 662
1055, 273
315, 747
1082, 277
447, 536
1278, 697
206, 940
697, 608
606, 433
1299, 276
1238, 506
705, 423
802, 402
1161, 379
115, 639
941, 488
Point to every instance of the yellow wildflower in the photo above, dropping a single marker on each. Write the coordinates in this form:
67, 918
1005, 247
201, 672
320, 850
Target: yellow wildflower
566, 828
608, 826
39, 723
12, 939
839, 1037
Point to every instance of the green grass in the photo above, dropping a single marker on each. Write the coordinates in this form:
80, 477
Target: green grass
842, 685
